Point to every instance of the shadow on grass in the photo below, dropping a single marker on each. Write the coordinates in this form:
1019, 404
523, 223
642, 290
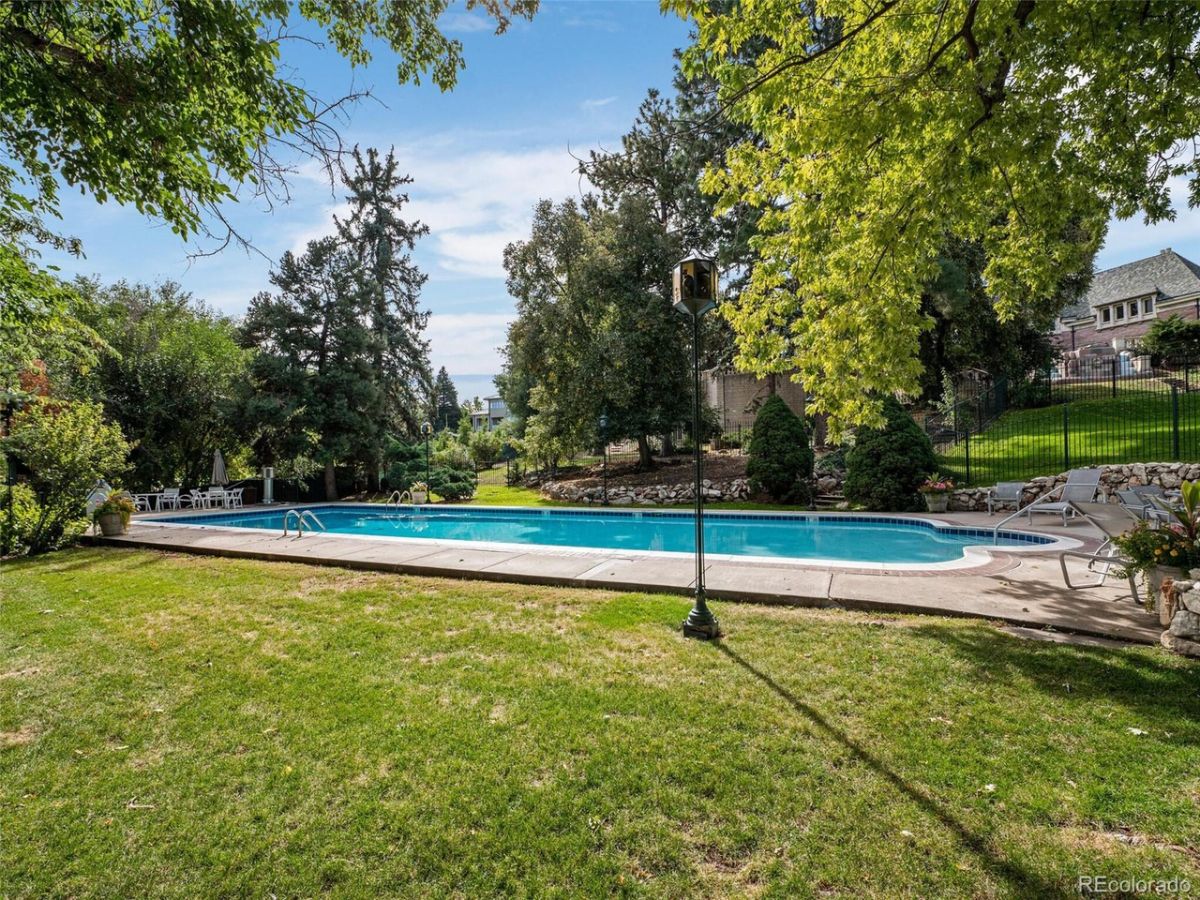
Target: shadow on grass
1152, 685
1023, 881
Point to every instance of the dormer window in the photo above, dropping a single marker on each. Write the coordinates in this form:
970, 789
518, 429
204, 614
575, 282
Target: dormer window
1148, 305
1120, 311
1106, 315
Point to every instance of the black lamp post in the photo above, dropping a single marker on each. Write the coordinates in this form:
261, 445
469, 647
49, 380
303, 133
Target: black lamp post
427, 430
695, 293
604, 451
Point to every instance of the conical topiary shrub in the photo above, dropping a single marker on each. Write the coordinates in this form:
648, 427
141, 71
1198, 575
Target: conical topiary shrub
886, 464
781, 461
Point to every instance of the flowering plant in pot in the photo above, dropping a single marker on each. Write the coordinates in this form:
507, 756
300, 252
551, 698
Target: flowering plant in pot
419, 491
936, 489
113, 514
1168, 551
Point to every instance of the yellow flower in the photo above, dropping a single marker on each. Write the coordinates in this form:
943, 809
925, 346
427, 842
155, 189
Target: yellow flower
1174, 552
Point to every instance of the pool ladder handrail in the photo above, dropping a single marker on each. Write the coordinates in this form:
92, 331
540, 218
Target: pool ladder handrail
302, 516
397, 498
1024, 510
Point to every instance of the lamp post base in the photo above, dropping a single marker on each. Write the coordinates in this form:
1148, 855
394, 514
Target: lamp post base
701, 624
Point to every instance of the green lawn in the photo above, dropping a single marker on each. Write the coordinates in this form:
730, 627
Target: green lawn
190, 726
1134, 426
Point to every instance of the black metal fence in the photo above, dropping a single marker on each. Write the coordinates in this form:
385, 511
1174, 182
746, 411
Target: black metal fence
1105, 414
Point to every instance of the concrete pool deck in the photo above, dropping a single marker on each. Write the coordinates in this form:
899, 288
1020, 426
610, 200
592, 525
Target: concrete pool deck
1024, 588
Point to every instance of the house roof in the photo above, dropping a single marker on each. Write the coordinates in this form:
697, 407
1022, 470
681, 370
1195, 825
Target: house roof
1166, 275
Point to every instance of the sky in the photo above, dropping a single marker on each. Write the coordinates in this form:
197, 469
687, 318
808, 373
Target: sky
481, 156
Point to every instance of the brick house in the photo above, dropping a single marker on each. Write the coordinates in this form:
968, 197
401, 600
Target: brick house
1122, 303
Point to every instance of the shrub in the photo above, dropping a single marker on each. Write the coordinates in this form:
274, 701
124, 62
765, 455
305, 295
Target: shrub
886, 465
453, 484
781, 462
1173, 340
25, 515
66, 447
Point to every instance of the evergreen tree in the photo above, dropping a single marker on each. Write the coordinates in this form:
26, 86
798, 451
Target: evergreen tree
319, 393
446, 410
380, 242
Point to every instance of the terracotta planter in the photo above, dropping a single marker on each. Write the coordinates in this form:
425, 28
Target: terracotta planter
111, 524
1154, 583
419, 497
937, 502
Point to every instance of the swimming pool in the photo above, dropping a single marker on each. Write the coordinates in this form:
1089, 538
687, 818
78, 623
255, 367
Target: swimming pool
785, 536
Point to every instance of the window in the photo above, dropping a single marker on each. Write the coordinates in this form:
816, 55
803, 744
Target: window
1106, 315
1120, 309
1148, 305
1133, 310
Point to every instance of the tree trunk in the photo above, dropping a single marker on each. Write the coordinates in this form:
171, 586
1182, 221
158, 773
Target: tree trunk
668, 445
645, 458
330, 481
772, 390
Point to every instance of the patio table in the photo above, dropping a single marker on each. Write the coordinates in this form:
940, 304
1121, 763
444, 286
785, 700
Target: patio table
146, 502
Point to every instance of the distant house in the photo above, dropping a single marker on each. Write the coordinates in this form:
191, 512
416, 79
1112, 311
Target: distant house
737, 396
492, 415
1124, 301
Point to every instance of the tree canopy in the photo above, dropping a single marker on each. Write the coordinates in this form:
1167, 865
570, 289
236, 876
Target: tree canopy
171, 107
883, 127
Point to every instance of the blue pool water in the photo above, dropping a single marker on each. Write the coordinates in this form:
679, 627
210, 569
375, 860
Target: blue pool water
832, 537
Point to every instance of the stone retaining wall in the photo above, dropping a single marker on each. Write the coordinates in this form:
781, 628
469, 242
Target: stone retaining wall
1183, 634
646, 494
1114, 478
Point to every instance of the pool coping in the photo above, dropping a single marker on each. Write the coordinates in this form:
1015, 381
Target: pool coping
975, 556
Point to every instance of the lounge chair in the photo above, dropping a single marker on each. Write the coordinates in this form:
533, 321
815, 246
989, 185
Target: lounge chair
1081, 486
1113, 519
1006, 492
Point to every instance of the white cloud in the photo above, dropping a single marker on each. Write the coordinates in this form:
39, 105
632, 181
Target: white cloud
467, 342
464, 22
596, 103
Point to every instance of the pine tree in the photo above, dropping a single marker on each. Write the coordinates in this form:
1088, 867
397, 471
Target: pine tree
320, 395
381, 241
446, 411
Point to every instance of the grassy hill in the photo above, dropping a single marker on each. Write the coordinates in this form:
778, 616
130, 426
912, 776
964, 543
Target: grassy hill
1135, 425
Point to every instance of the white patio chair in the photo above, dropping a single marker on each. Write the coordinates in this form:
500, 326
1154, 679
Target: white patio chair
234, 498
170, 499
199, 499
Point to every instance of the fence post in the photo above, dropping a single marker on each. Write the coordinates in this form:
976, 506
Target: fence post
1175, 421
1114, 376
1066, 436
967, 448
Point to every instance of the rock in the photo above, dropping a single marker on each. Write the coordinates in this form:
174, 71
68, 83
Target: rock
1190, 600
1185, 624
1182, 646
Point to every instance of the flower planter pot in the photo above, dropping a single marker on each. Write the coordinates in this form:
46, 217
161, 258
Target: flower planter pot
1154, 582
111, 524
419, 497
937, 502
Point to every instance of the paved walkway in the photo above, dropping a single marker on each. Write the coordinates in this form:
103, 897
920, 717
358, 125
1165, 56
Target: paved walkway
1022, 589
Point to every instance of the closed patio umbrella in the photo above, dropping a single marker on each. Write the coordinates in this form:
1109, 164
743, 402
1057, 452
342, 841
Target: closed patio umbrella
218, 475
